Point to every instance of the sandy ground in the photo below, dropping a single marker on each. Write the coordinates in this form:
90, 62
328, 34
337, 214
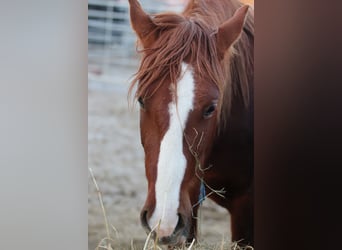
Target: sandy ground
116, 157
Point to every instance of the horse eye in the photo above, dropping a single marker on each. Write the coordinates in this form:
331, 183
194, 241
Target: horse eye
141, 102
209, 110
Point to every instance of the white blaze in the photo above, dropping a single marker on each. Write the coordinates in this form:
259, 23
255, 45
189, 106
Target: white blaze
172, 162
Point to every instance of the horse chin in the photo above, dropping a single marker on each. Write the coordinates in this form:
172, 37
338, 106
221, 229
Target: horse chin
173, 241
177, 239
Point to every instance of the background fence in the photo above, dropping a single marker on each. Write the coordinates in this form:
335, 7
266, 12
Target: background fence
111, 40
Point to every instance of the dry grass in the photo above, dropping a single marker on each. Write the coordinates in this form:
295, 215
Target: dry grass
224, 245
106, 242
109, 241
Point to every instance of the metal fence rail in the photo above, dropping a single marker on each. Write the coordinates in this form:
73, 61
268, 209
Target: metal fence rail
110, 37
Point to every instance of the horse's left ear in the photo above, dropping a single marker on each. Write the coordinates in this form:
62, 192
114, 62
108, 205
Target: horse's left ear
141, 23
229, 31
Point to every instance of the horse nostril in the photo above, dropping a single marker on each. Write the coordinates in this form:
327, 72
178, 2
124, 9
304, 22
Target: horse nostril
143, 219
181, 224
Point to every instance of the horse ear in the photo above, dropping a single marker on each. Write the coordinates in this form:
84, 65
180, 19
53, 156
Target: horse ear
229, 31
141, 23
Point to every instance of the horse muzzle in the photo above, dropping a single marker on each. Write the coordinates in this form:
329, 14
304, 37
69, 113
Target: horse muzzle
176, 238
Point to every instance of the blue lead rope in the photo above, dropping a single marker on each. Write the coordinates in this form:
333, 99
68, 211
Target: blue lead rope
202, 193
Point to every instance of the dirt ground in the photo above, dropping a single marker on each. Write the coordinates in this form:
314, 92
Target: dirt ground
116, 157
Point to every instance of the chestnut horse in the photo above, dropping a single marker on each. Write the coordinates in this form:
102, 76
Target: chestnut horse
195, 89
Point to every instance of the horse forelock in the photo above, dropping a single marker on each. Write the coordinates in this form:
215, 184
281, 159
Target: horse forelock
180, 39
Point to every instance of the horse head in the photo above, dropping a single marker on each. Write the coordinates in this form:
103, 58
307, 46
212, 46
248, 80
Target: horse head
179, 88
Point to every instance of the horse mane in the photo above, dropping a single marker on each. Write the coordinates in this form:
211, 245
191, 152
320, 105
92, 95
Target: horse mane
191, 38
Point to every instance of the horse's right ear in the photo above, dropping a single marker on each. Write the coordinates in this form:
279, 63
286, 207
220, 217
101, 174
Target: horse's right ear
142, 24
230, 30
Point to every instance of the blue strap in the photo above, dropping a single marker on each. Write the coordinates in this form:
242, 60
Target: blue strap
202, 193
